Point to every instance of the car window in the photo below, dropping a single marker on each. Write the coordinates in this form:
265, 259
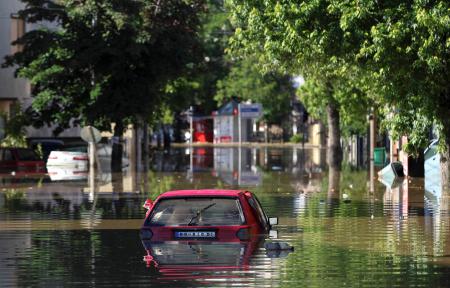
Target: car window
27, 155
256, 206
264, 217
7, 155
197, 212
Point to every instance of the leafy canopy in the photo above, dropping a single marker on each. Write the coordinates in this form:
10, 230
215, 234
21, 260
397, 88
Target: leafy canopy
245, 81
102, 61
305, 38
394, 53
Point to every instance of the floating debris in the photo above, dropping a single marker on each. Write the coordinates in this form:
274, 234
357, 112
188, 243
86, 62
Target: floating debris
278, 246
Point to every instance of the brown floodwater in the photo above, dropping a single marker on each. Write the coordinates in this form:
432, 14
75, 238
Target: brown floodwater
64, 229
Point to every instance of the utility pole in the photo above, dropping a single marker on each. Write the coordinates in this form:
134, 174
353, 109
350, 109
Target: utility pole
372, 149
239, 124
191, 124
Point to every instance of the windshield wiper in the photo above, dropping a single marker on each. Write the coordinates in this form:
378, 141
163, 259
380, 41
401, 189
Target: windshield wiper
200, 212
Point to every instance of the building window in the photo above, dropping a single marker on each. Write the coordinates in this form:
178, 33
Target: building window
17, 31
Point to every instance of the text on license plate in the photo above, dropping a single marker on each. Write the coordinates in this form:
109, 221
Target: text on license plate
195, 234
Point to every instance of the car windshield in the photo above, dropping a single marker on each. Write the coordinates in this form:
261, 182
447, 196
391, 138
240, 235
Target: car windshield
197, 211
27, 155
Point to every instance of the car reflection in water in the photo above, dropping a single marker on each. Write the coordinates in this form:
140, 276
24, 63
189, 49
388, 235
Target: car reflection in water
187, 233
184, 260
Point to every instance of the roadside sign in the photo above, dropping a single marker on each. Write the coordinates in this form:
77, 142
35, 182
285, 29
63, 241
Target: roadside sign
90, 134
250, 110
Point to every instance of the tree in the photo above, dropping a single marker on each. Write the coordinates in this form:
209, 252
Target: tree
272, 90
304, 39
106, 61
353, 103
404, 47
198, 85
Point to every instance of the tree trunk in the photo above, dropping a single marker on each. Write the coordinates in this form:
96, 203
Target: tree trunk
158, 136
445, 156
443, 113
166, 137
334, 177
146, 147
334, 149
117, 148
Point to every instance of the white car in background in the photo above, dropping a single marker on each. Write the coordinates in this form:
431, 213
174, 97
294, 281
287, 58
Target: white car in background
61, 173
68, 159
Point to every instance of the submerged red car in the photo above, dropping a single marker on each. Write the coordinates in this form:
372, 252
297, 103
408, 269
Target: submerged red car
20, 160
215, 215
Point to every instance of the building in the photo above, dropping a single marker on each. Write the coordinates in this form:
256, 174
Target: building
11, 27
13, 90
234, 122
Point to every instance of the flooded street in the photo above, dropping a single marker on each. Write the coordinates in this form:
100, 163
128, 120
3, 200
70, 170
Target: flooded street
64, 230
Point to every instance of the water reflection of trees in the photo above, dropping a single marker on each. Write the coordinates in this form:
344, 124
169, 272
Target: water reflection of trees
61, 206
368, 235
80, 257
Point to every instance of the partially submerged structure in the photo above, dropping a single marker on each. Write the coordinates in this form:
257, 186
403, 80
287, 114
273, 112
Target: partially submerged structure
233, 121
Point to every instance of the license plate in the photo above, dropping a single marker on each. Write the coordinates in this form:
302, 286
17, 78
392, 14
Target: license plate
195, 234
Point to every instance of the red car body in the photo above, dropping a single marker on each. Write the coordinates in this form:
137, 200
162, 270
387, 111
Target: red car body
20, 160
255, 221
230, 248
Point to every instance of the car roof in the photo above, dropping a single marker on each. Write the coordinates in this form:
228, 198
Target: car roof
16, 148
47, 141
202, 192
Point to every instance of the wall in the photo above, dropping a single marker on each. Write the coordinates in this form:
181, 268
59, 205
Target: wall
18, 89
10, 88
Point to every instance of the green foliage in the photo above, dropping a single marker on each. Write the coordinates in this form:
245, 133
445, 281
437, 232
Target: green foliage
15, 123
167, 116
245, 81
352, 100
391, 54
15, 195
198, 85
108, 61
296, 138
159, 184
305, 39
407, 51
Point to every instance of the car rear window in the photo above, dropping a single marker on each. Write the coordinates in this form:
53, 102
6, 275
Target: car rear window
197, 212
27, 155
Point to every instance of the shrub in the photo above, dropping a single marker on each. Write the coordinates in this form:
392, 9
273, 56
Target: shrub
296, 138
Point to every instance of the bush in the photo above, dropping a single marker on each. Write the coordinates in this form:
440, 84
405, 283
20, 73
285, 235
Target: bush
14, 130
296, 138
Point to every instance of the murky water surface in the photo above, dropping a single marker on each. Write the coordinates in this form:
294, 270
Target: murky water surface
63, 230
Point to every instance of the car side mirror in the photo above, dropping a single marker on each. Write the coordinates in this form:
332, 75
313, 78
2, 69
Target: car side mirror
273, 221
148, 204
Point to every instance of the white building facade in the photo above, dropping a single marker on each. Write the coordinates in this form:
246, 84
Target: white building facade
17, 90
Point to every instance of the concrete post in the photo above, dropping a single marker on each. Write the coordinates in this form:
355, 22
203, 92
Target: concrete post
372, 150
191, 124
240, 124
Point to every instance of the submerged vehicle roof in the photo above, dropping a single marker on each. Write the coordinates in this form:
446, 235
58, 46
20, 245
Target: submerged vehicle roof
202, 192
